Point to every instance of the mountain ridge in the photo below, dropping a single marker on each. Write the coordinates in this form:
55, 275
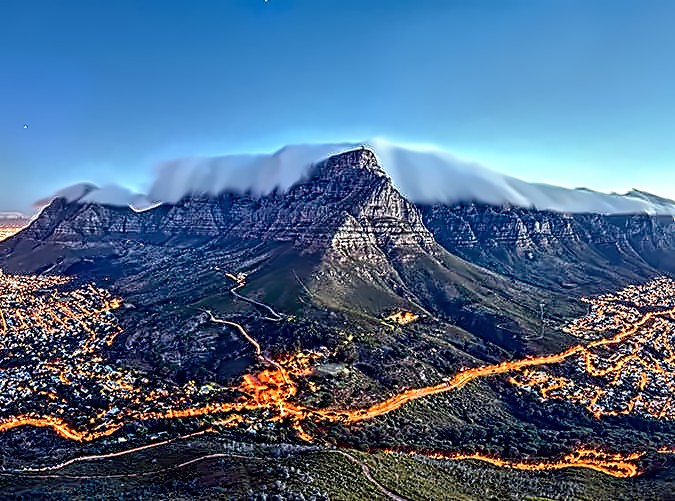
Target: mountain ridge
423, 176
349, 203
337, 254
330, 206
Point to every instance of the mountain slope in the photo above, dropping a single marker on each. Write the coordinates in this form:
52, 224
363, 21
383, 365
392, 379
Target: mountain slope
371, 250
589, 252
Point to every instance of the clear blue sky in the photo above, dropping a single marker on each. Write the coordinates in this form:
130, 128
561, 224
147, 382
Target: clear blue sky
568, 92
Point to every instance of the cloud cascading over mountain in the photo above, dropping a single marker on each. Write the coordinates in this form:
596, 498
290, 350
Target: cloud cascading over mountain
424, 176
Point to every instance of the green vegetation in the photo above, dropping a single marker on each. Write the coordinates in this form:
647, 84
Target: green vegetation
214, 467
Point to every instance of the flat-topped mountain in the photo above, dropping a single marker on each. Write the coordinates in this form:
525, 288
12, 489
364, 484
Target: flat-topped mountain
349, 203
341, 256
343, 232
346, 234
346, 202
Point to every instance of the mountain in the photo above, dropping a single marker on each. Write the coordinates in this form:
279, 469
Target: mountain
425, 176
333, 206
341, 253
562, 250
285, 198
375, 204
344, 233
345, 239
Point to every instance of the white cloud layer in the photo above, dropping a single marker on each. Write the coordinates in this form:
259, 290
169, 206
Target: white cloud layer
422, 175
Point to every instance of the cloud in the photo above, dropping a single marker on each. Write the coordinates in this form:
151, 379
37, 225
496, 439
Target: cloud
423, 174
71, 193
110, 195
438, 177
255, 174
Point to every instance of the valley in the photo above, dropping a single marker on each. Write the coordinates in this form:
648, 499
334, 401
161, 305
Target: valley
89, 399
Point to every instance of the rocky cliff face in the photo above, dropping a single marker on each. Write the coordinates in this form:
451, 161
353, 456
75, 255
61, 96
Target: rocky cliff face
74, 222
485, 226
541, 245
347, 205
515, 228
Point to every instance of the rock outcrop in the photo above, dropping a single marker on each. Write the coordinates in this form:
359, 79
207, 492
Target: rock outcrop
545, 246
347, 204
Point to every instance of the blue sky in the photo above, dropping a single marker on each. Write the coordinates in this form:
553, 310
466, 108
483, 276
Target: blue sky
576, 93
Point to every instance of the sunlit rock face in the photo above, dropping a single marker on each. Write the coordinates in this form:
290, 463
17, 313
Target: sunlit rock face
346, 203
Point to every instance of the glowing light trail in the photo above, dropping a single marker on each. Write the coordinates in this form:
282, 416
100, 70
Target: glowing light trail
274, 389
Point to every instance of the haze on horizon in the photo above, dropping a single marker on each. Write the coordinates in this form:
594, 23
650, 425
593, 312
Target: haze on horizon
571, 93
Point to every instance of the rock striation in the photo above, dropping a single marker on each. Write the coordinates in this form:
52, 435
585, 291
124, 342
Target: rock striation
516, 228
537, 245
346, 204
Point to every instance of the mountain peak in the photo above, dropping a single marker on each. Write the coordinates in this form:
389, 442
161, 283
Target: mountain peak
345, 204
363, 158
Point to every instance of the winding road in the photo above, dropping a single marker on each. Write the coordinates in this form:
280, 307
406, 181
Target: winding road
274, 390
241, 281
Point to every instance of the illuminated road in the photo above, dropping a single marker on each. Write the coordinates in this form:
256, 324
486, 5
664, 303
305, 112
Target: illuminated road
616, 465
612, 464
632, 372
241, 281
242, 331
274, 389
206, 457
620, 466
125, 452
